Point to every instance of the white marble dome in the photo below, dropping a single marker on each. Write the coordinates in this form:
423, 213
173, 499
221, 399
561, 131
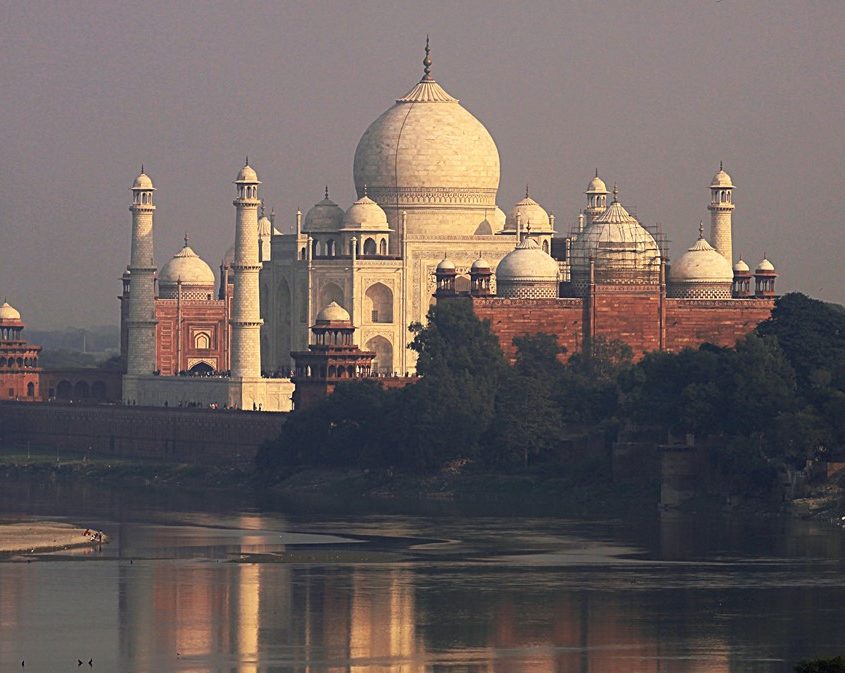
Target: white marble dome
334, 312
247, 174
597, 186
9, 312
325, 215
721, 179
527, 272
186, 266
143, 182
480, 264
427, 150
765, 265
623, 251
701, 273
741, 267
365, 214
446, 264
530, 213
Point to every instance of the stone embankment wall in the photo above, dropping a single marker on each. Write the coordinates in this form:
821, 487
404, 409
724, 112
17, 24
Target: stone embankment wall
211, 437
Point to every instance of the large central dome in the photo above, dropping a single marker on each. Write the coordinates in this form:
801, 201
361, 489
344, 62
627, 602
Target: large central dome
427, 151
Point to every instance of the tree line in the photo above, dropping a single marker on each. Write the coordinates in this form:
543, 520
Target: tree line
774, 400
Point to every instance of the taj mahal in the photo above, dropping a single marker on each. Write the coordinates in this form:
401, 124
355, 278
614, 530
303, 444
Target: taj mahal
426, 225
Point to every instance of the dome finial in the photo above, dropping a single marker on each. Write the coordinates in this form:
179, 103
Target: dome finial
720, 165
327, 191
597, 172
142, 166
246, 161
365, 190
615, 193
700, 229
262, 208
526, 190
186, 239
427, 62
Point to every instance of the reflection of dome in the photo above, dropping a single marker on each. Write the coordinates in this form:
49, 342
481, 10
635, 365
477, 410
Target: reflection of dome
527, 272
365, 214
185, 266
427, 150
334, 312
721, 179
622, 249
701, 273
741, 267
9, 312
530, 214
143, 182
325, 215
765, 265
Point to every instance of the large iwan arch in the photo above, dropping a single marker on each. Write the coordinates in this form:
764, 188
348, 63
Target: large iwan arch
383, 363
378, 303
328, 293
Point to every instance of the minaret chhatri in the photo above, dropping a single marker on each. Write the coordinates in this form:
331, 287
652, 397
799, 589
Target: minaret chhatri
141, 320
721, 211
246, 317
596, 199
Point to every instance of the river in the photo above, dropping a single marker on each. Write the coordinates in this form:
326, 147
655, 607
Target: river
206, 584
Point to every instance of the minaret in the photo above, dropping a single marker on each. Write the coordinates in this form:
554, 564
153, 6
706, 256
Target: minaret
721, 209
596, 199
246, 317
141, 318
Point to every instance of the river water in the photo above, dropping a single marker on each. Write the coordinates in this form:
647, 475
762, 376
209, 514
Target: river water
200, 585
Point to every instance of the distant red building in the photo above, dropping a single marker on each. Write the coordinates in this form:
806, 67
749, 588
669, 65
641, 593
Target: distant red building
19, 370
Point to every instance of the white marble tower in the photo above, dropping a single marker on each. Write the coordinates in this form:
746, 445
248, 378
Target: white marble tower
141, 319
246, 318
721, 212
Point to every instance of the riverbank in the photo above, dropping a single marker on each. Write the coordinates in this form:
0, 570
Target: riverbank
33, 537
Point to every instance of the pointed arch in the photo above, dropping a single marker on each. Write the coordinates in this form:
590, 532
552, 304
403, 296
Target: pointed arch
383, 362
378, 303
330, 292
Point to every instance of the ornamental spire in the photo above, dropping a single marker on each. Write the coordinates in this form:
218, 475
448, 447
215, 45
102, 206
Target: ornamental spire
327, 191
700, 229
186, 239
615, 193
427, 63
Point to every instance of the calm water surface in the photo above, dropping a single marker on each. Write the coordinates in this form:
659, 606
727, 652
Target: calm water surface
196, 587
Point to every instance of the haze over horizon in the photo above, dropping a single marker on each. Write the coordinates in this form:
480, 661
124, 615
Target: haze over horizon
654, 96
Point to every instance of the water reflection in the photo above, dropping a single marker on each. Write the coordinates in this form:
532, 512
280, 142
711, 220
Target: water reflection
206, 594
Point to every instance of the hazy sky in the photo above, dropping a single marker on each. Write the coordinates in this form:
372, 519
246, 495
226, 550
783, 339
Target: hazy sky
654, 94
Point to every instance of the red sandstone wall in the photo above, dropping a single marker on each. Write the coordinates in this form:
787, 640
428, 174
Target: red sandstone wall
630, 315
511, 318
689, 323
180, 435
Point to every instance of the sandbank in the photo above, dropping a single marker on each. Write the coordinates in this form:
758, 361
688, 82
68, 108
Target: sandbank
41, 536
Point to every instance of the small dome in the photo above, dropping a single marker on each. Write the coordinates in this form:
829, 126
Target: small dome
741, 267
446, 264
188, 267
143, 182
527, 273
530, 214
365, 214
480, 264
721, 179
9, 312
701, 264
334, 312
247, 174
596, 186
765, 265
325, 215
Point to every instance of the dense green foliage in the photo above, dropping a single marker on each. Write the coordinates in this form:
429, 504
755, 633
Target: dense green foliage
833, 665
773, 401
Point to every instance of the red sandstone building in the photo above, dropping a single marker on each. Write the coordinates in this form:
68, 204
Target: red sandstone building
192, 331
19, 370
615, 282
